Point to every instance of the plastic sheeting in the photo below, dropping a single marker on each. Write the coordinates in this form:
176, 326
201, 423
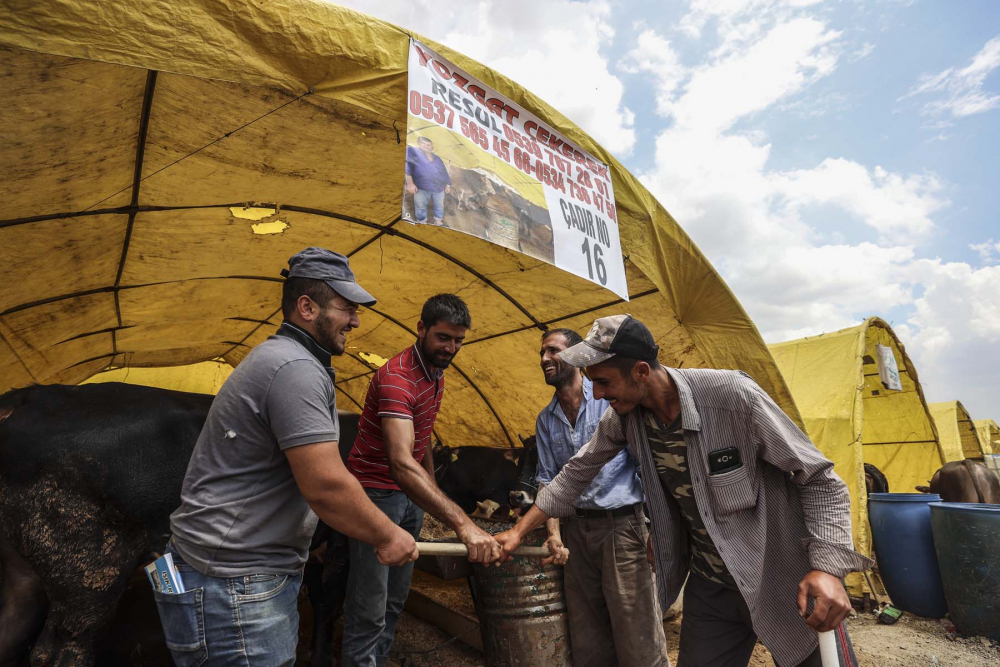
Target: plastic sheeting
138, 133
959, 439
853, 419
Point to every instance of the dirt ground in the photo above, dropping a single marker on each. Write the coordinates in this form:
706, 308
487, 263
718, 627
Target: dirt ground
912, 641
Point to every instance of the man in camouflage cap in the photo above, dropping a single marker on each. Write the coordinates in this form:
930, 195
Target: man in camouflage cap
738, 497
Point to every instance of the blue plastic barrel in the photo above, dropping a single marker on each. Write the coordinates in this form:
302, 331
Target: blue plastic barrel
904, 548
967, 539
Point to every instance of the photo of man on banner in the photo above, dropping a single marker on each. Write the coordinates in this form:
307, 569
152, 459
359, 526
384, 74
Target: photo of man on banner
427, 180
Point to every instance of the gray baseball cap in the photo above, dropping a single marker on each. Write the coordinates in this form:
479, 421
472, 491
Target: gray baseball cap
332, 268
616, 334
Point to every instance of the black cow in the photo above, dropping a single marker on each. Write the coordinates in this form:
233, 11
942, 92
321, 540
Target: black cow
523, 495
468, 475
88, 478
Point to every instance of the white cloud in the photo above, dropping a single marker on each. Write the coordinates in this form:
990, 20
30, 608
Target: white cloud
782, 62
761, 226
954, 335
889, 203
654, 55
736, 18
815, 106
987, 250
962, 88
556, 53
863, 52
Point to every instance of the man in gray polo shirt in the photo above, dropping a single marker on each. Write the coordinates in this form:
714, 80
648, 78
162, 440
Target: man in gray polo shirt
266, 460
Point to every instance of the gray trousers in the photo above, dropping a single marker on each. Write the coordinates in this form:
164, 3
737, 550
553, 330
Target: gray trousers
614, 614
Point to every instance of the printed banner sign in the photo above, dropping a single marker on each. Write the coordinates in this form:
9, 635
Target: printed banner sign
480, 164
888, 372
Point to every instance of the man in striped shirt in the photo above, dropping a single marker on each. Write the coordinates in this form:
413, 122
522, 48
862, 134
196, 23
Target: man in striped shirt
744, 502
392, 459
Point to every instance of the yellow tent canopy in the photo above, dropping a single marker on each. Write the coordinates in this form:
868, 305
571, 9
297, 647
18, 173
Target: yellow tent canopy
989, 435
162, 161
959, 439
202, 378
853, 419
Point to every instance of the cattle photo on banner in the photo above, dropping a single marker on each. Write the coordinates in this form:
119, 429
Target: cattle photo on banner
480, 164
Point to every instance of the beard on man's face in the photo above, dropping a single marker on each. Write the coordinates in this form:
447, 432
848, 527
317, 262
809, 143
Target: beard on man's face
562, 375
440, 359
329, 336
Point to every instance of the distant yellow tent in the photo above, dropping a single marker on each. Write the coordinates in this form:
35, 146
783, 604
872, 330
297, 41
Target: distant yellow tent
989, 435
854, 419
959, 439
162, 160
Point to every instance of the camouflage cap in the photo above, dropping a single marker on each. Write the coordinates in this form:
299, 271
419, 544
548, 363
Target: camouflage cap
616, 334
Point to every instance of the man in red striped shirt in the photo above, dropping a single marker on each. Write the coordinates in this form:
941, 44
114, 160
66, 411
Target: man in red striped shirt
392, 459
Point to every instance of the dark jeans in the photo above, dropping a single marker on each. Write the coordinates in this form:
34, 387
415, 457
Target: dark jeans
717, 631
376, 592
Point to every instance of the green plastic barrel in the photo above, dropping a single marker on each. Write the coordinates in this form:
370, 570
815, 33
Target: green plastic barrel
966, 538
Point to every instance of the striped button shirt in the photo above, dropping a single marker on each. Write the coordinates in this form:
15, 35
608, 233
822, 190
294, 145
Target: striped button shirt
781, 514
404, 388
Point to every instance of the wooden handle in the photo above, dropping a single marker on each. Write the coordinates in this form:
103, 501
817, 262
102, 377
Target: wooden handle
458, 549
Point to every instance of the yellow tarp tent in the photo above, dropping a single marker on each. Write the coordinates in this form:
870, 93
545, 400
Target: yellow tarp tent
959, 439
203, 378
989, 435
135, 135
854, 419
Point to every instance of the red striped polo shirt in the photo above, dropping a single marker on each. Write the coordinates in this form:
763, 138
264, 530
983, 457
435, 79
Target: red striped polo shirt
405, 388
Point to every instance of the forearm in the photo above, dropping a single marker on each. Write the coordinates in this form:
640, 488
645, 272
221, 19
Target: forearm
345, 507
551, 525
533, 519
420, 487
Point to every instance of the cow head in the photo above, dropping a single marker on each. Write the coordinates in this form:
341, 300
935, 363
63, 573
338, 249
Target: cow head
523, 495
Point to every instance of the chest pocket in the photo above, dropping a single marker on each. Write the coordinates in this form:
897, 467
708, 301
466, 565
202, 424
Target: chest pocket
734, 491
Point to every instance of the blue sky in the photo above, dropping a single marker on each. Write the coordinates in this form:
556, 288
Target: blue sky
833, 159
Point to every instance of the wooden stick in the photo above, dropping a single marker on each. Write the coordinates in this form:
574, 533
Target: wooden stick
458, 549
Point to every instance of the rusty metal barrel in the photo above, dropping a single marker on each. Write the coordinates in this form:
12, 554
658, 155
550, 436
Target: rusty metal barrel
522, 613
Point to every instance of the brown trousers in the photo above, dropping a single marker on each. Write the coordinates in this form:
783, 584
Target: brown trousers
614, 614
